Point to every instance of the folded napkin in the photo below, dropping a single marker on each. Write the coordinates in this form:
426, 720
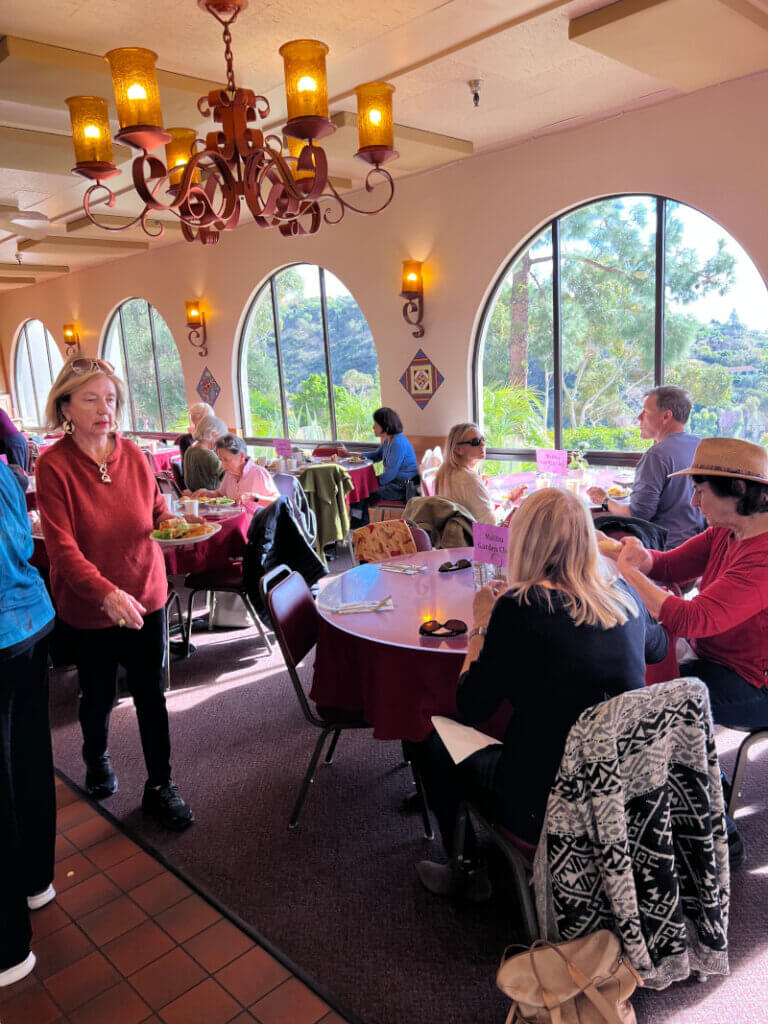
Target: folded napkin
357, 607
402, 567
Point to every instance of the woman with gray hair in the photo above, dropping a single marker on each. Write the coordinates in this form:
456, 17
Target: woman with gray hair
243, 480
196, 413
202, 468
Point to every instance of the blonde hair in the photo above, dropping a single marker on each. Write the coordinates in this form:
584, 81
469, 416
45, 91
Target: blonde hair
209, 428
69, 381
197, 411
451, 460
551, 538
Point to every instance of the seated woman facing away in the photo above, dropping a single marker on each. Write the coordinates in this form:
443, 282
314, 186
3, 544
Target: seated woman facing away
554, 640
398, 456
196, 413
458, 478
202, 468
727, 622
243, 480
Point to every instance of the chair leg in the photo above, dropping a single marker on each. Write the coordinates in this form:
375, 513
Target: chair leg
428, 833
167, 667
332, 747
256, 620
522, 884
188, 637
308, 778
742, 760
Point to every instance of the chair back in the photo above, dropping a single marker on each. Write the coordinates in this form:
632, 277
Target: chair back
167, 484
289, 487
293, 613
324, 450
420, 538
377, 541
178, 476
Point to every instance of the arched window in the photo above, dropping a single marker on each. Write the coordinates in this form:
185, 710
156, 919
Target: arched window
607, 301
36, 366
307, 364
143, 352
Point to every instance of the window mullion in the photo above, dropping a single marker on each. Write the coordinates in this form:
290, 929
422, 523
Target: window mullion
129, 382
278, 353
157, 366
661, 273
327, 347
557, 364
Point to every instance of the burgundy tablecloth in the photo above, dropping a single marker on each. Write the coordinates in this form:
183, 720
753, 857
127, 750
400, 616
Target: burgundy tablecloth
162, 458
216, 553
364, 483
31, 498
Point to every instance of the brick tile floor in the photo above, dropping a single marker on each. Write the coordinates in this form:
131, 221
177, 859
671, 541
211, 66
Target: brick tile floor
126, 942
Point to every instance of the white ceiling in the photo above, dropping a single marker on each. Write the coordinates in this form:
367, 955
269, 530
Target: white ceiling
535, 80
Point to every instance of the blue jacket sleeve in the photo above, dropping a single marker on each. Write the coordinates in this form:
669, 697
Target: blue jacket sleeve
374, 456
646, 490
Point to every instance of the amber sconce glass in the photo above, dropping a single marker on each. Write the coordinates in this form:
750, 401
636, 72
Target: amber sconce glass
177, 154
71, 338
197, 336
137, 97
91, 137
306, 89
413, 291
375, 128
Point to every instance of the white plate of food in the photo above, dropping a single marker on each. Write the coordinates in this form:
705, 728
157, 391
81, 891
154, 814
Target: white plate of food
617, 493
174, 532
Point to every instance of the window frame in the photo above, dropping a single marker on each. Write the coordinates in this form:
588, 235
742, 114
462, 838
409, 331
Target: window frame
241, 351
595, 458
22, 341
118, 313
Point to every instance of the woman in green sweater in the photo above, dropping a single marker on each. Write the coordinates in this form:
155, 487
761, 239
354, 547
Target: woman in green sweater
202, 468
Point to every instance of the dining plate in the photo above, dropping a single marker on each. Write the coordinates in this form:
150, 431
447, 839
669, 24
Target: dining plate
213, 529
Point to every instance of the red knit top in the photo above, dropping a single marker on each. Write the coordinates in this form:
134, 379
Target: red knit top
97, 534
728, 621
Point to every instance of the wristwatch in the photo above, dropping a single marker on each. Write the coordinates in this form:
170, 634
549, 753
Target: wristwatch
604, 506
478, 631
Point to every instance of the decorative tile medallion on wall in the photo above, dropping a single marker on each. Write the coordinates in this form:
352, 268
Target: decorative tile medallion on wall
208, 387
421, 379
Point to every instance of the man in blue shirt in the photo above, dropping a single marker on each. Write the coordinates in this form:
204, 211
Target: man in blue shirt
655, 497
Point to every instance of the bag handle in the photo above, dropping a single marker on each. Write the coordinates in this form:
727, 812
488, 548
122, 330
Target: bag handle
599, 1001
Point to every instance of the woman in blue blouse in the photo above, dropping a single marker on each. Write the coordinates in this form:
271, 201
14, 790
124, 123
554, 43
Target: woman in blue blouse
27, 796
398, 456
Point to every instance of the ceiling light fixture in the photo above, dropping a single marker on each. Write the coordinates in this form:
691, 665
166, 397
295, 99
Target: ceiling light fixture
283, 180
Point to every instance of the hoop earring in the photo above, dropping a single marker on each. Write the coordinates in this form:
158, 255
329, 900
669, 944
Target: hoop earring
69, 427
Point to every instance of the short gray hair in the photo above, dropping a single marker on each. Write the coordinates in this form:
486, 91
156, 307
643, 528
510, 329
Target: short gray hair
233, 444
209, 428
672, 399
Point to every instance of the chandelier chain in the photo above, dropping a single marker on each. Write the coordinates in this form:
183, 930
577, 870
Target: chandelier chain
228, 58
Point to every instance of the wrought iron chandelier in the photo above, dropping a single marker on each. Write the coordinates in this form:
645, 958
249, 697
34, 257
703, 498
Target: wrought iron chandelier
204, 183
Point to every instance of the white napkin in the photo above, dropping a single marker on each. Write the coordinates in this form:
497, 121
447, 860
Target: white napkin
357, 607
402, 567
461, 741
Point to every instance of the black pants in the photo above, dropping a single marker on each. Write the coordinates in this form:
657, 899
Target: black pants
733, 700
446, 784
97, 654
27, 796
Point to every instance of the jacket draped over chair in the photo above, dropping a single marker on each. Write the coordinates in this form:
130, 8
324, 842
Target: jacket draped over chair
448, 524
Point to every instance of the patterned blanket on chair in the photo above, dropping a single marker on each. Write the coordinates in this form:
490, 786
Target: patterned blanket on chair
634, 838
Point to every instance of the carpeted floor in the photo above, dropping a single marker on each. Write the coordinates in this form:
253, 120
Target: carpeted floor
338, 895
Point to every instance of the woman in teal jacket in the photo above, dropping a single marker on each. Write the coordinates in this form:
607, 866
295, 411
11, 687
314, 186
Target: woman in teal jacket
27, 795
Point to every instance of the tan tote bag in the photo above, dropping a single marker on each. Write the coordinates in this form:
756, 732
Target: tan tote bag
584, 981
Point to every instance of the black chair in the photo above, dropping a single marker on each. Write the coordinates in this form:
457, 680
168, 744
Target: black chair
289, 487
173, 602
177, 473
742, 760
167, 484
226, 580
294, 616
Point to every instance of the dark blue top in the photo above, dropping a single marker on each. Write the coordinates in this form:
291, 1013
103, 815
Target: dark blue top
25, 608
550, 670
667, 502
398, 457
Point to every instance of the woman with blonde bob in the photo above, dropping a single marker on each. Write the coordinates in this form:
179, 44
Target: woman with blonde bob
98, 505
555, 638
458, 478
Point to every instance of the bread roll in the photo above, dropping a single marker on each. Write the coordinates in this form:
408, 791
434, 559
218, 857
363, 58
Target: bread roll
608, 546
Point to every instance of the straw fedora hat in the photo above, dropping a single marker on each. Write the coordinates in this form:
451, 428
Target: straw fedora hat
728, 456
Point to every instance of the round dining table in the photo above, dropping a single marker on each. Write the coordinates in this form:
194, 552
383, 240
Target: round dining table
377, 664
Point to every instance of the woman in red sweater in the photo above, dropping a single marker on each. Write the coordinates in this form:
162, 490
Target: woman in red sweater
98, 504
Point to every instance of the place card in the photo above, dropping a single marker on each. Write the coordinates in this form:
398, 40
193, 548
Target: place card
552, 460
491, 543
282, 447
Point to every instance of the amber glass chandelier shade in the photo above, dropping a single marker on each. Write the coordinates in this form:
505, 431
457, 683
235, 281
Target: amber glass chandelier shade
135, 84
412, 279
295, 146
374, 114
90, 129
306, 85
177, 154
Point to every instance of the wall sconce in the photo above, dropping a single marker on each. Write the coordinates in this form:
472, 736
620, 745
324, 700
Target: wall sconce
413, 291
196, 323
71, 338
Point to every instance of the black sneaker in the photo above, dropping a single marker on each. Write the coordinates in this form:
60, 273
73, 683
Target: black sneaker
737, 853
166, 806
100, 780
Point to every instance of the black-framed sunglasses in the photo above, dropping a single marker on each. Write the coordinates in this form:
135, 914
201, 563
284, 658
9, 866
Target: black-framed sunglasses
451, 627
463, 563
475, 442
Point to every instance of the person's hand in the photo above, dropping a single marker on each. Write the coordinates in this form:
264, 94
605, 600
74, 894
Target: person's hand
193, 519
124, 610
341, 450
634, 556
517, 492
186, 493
596, 495
485, 599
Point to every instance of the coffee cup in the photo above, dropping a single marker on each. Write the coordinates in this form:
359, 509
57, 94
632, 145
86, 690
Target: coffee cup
191, 506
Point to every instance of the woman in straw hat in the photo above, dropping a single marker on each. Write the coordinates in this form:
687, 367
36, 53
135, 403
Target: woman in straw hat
727, 622
98, 504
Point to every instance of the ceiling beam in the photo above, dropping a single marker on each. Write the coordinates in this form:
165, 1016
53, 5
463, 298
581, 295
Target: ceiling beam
33, 268
17, 280
81, 223
86, 244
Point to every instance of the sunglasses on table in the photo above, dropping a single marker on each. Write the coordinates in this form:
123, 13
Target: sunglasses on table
85, 365
463, 563
475, 442
451, 627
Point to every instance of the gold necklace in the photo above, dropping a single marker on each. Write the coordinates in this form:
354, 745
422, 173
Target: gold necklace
103, 472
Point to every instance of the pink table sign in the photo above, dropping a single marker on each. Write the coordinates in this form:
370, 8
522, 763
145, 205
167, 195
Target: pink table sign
491, 543
552, 460
282, 447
